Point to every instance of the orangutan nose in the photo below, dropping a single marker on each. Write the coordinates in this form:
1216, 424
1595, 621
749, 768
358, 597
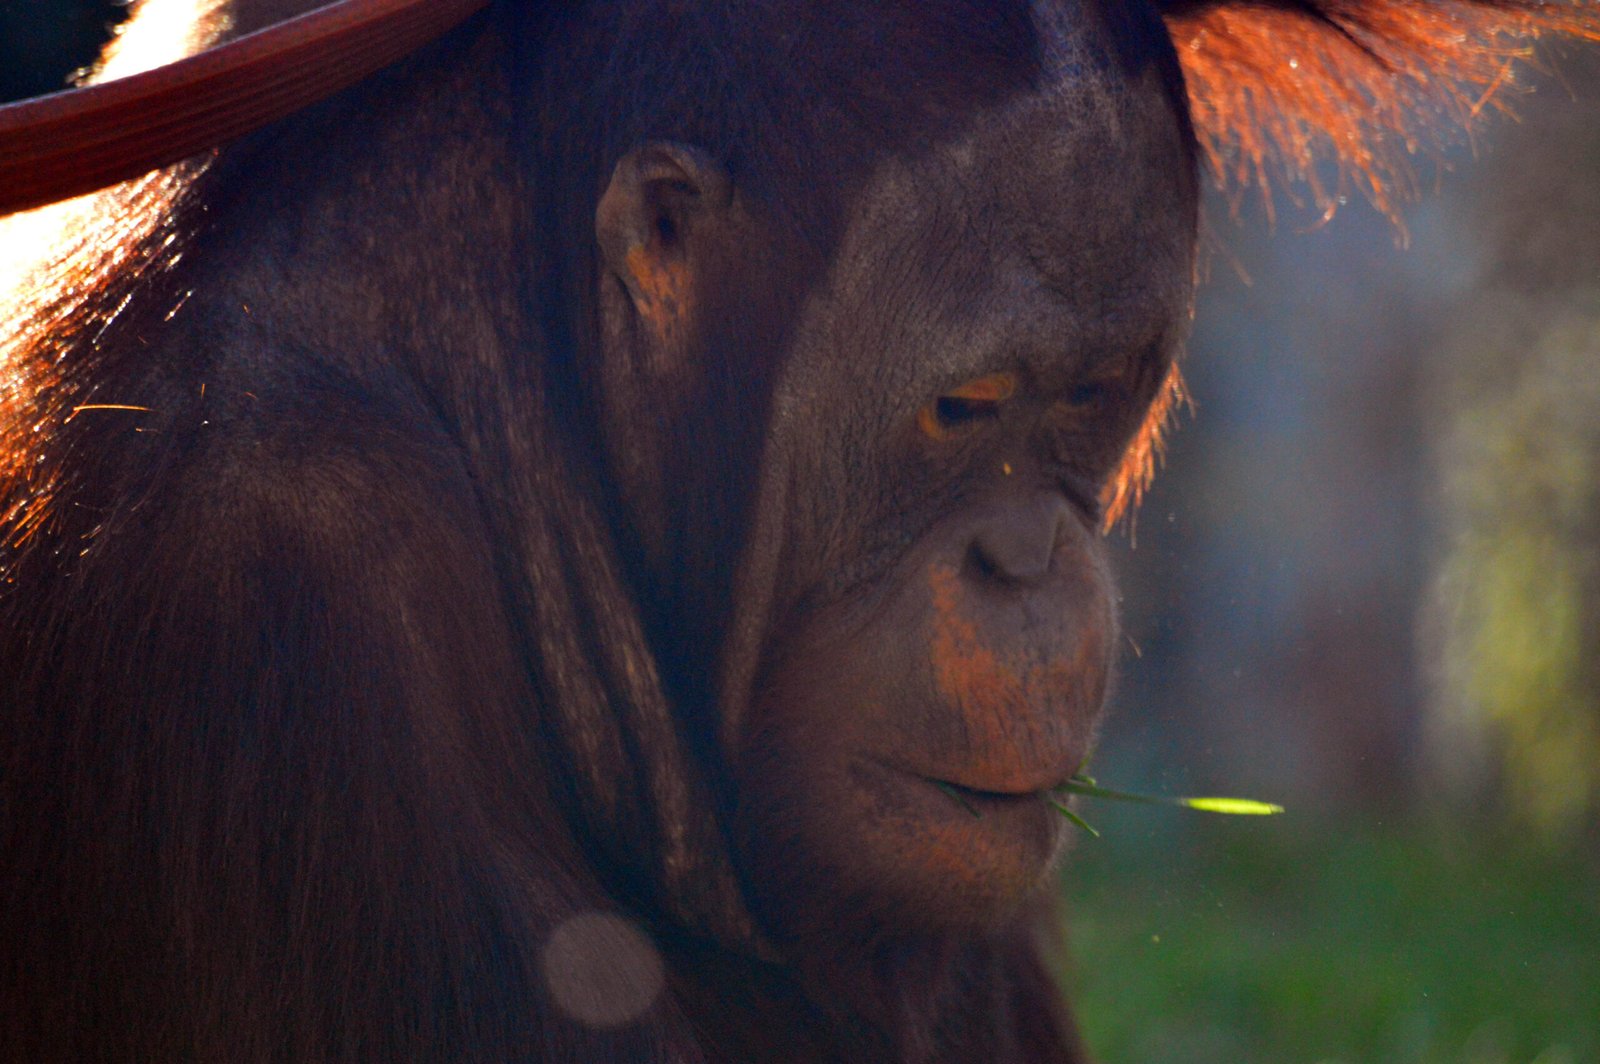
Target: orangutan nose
1017, 540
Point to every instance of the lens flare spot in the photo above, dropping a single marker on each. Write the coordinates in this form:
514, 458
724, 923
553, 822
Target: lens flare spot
601, 970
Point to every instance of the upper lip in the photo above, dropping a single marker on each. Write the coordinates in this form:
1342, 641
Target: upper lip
1008, 785
1005, 790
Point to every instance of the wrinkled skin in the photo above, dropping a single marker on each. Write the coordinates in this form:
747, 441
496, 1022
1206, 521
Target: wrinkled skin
552, 494
953, 617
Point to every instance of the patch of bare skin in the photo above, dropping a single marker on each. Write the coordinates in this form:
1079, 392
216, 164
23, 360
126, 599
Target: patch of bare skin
1000, 693
661, 290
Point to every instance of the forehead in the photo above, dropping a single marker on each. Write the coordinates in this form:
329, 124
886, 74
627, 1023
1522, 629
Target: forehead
1060, 225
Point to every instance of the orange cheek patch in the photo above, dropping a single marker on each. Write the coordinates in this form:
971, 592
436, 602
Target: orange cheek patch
661, 290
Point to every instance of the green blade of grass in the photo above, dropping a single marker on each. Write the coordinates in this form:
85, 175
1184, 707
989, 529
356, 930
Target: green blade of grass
1061, 808
1231, 806
957, 797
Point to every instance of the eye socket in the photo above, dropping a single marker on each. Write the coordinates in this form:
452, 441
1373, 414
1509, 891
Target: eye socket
966, 405
1088, 393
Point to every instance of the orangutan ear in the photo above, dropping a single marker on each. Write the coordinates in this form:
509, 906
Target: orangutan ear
656, 223
1278, 86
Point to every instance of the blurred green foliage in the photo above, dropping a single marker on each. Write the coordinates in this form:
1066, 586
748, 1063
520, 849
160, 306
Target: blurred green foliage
1212, 941
1520, 585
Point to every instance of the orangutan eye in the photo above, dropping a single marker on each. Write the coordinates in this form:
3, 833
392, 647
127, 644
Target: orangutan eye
966, 405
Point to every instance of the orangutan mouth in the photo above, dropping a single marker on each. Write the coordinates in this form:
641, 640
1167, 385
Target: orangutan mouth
976, 801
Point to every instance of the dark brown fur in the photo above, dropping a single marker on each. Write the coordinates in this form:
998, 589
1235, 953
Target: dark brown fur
382, 597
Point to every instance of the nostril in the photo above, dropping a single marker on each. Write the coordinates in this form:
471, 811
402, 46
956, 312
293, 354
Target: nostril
1017, 540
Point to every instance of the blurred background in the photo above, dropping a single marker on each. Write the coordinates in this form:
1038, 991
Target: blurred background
1367, 586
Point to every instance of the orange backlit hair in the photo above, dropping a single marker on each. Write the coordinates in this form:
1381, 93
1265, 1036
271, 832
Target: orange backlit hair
1277, 87
1126, 488
68, 269
1294, 92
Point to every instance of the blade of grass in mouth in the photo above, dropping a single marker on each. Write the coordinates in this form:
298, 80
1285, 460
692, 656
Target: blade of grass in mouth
1087, 787
1061, 807
959, 798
